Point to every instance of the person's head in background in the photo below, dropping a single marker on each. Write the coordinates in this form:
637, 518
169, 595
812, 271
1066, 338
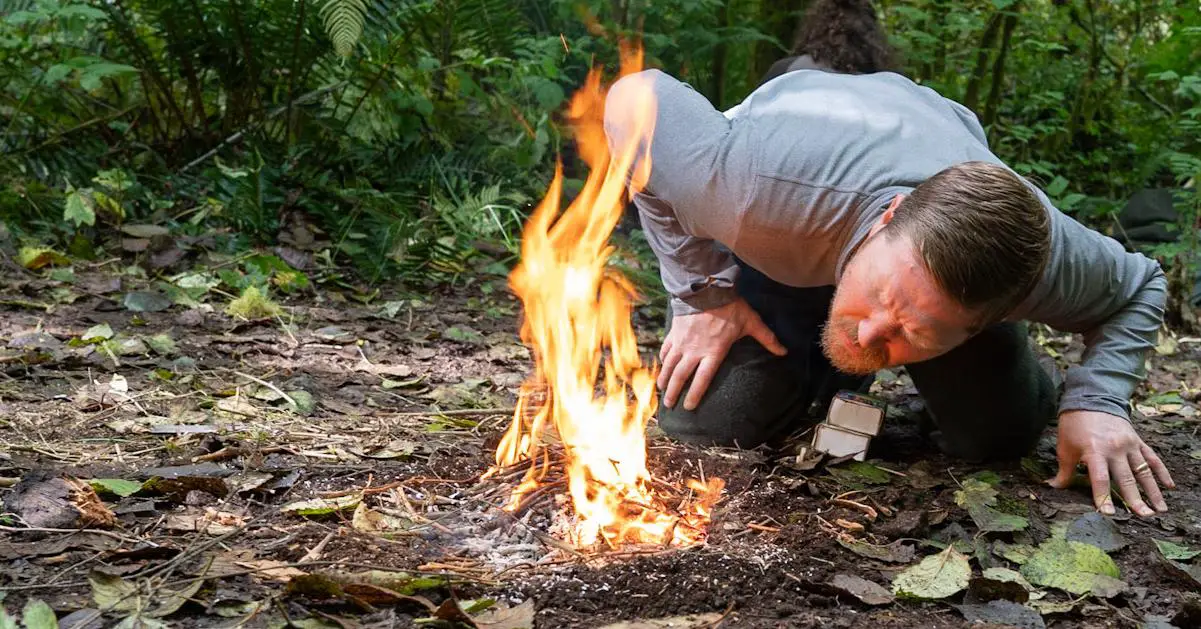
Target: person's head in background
841, 36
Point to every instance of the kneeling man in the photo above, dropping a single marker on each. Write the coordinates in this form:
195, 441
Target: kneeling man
833, 225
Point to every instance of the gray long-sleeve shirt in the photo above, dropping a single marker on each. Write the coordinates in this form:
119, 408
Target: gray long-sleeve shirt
791, 180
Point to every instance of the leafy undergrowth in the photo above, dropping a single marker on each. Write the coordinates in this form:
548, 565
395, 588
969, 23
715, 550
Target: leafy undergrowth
319, 466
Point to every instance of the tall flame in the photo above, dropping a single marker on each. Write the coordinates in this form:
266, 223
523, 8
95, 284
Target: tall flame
577, 319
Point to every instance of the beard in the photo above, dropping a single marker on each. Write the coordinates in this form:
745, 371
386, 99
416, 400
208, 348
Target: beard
840, 343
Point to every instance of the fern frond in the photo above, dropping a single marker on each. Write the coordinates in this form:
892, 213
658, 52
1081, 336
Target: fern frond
344, 20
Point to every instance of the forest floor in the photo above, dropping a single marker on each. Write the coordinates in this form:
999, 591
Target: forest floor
178, 467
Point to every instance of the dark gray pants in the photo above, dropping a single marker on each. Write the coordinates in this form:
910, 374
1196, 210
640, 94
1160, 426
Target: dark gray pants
987, 399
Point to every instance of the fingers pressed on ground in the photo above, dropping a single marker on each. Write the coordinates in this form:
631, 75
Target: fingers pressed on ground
1141, 468
1161, 470
1119, 468
1098, 475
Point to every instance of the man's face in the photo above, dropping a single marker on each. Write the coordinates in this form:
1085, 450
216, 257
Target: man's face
888, 310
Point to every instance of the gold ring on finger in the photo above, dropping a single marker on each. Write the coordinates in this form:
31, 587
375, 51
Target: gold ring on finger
1142, 467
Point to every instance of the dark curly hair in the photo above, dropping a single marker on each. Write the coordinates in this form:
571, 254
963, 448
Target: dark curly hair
845, 36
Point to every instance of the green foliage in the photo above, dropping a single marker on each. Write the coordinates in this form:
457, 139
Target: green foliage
406, 134
344, 23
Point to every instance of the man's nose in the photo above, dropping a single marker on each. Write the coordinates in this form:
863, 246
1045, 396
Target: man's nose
873, 331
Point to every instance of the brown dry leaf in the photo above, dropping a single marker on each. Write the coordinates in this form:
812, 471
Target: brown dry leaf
237, 405
101, 395
691, 621
396, 371
241, 561
211, 522
369, 520
519, 617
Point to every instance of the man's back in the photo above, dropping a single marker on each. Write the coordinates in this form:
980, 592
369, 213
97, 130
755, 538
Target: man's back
793, 176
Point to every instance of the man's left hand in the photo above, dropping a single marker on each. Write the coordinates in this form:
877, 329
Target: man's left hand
1111, 449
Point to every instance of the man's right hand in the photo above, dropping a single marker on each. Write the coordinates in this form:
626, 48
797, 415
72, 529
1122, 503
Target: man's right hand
699, 343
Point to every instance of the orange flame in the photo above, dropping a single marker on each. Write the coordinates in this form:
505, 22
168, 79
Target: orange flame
577, 319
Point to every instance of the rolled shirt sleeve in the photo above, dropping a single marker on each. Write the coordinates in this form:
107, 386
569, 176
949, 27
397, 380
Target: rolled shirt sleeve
1114, 298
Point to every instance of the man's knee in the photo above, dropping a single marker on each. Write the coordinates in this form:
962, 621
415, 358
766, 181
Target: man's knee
990, 399
755, 398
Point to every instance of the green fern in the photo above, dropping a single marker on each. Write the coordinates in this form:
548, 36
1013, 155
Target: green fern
344, 20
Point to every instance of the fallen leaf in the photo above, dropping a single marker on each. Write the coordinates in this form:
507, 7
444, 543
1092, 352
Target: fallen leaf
1017, 553
6, 621
138, 230
463, 334
400, 384
197, 523
1185, 573
1176, 552
117, 486
38, 615
398, 371
303, 402
147, 301
396, 449
978, 498
936, 576
691, 621
162, 344
984, 589
895, 552
519, 617
866, 591
1003, 613
860, 472
34, 258
1069, 566
1047, 608
368, 520
322, 506
1097, 530
112, 593
100, 332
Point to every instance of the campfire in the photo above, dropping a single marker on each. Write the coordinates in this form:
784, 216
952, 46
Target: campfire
584, 412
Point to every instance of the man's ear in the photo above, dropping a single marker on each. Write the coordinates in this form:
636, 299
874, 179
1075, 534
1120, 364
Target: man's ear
886, 217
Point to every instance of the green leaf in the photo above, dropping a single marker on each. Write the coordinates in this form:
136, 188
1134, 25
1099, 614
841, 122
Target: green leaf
82, 10
937, 576
464, 335
322, 506
147, 301
144, 231
1175, 551
116, 486
38, 615
304, 402
112, 593
860, 471
101, 332
1017, 553
1057, 186
162, 344
57, 72
34, 258
6, 621
978, 498
80, 207
1070, 566
344, 20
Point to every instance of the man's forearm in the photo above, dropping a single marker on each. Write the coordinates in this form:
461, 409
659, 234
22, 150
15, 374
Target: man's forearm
1113, 363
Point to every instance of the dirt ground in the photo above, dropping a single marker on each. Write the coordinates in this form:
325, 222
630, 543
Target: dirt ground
387, 412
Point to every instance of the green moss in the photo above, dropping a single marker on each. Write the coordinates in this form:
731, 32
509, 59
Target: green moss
253, 304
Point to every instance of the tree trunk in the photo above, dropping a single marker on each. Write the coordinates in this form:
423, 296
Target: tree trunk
779, 20
998, 67
971, 96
